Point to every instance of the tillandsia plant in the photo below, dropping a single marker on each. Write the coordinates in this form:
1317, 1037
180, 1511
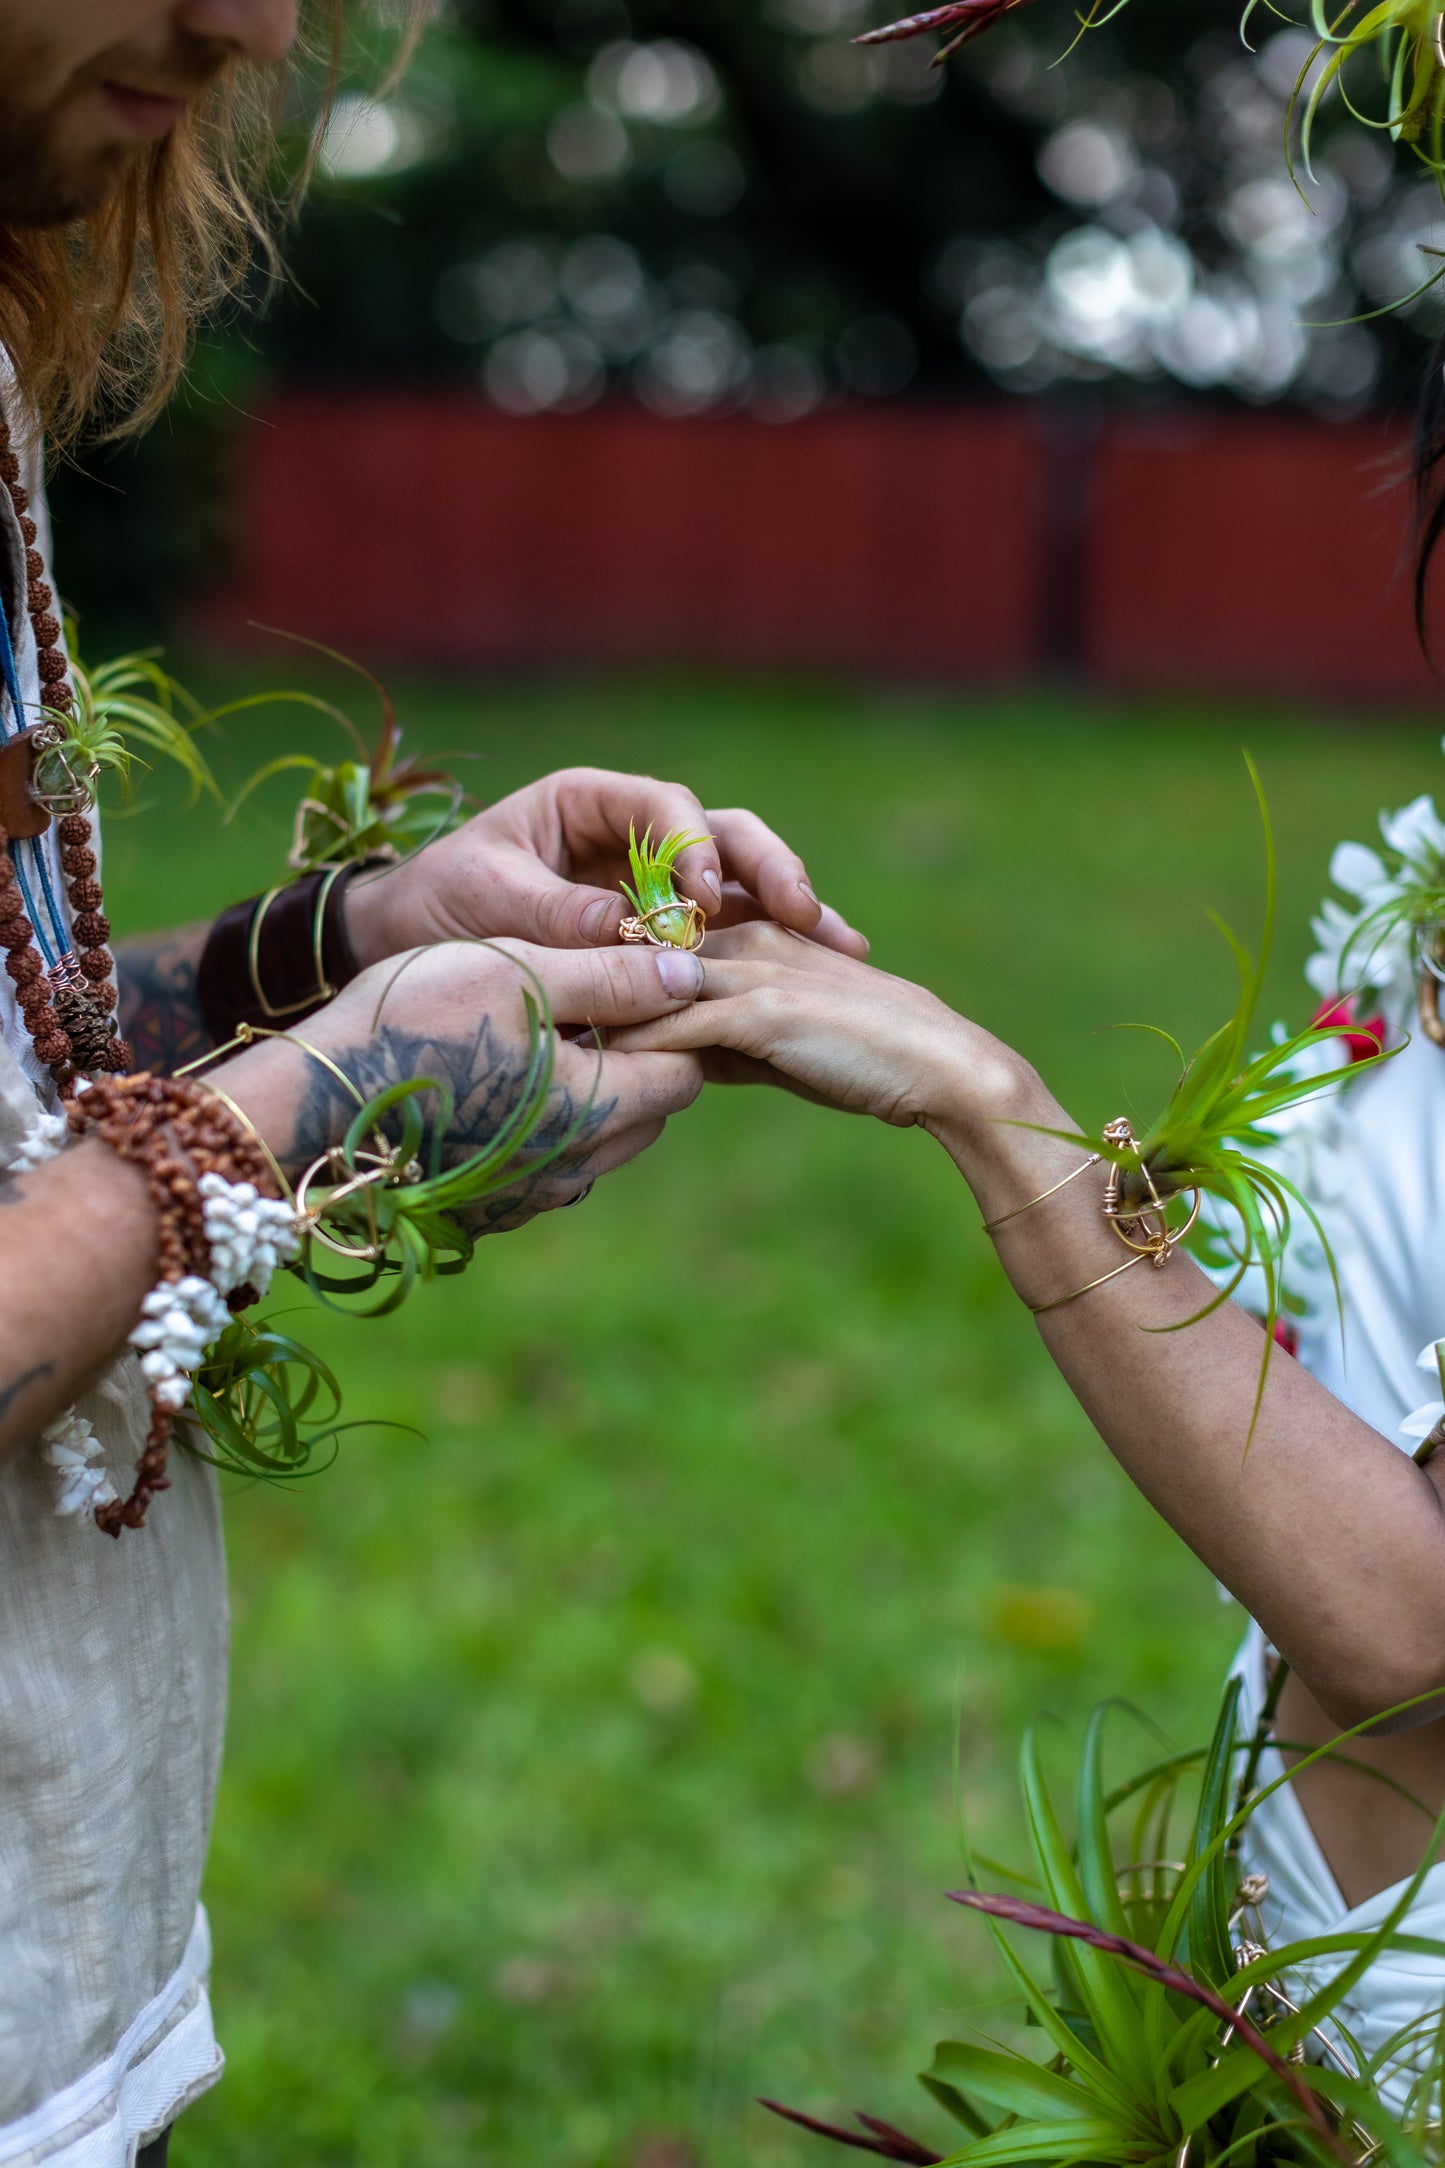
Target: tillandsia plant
376, 805
120, 706
1215, 1139
1407, 37
1171, 2035
664, 918
386, 1212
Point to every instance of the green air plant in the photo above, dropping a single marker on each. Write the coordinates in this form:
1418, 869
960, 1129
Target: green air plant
376, 805
1170, 2035
663, 917
120, 706
1214, 1137
1407, 37
1410, 46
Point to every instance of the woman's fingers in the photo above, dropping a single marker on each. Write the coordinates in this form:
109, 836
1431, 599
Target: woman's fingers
736, 1023
605, 987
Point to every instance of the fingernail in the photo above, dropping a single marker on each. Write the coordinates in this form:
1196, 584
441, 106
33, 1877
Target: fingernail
810, 896
680, 973
711, 888
596, 920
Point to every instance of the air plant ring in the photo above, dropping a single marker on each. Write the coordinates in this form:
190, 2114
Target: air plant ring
345, 1180
693, 933
1144, 1229
62, 780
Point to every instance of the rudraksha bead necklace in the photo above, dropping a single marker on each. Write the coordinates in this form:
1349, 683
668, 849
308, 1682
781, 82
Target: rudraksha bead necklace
70, 1023
174, 1132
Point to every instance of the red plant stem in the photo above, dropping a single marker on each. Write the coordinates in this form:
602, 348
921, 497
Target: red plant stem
888, 2144
1042, 1921
969, 18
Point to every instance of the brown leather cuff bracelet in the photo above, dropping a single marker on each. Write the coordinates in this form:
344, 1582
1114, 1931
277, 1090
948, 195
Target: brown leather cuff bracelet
275, 959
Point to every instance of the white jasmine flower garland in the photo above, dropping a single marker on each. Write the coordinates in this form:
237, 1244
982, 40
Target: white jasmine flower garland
249, 1236
1371, 945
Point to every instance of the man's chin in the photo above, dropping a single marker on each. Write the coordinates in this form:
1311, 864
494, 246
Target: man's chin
34, 193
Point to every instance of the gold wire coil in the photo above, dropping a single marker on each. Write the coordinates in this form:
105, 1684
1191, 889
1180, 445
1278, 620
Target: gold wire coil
694, 929
1144, 1229
373, 1171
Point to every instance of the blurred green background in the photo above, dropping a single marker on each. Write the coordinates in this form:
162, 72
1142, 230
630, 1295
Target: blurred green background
595, 1764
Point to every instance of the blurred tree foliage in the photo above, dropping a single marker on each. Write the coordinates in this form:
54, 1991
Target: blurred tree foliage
714, 204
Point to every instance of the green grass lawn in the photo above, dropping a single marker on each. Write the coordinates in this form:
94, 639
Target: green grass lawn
596, 1763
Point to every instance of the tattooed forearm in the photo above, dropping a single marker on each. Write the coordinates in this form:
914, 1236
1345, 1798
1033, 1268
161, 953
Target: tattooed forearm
159, 1012
484, 1073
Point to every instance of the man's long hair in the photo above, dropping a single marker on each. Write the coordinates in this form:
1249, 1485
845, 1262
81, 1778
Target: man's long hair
100, 315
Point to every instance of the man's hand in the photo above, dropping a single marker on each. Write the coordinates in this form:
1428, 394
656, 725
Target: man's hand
456, 1012
545, 865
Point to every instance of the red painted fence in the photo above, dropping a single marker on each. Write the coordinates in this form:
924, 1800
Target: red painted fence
1251, 553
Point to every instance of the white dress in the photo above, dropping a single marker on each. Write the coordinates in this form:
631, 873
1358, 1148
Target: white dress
1372, 1160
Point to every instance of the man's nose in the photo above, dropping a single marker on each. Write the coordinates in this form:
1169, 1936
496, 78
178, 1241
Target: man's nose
260, 30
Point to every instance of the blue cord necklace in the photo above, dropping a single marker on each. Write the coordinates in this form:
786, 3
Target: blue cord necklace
31, 859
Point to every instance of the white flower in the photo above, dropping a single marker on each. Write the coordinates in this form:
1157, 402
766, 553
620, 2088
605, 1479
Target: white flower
81, 1492
1420, 1424
74, 1451
1417, 833
1358, 870
1359, 946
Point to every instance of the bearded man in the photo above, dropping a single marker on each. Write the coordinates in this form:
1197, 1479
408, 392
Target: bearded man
134, 141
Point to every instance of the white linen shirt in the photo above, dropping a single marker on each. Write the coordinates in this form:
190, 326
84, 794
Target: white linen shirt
112, 1695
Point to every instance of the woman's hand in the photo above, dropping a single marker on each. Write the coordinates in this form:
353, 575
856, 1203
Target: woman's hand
546, 865
778, 1009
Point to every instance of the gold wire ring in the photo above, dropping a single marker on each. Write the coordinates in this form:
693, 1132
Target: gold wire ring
1159, 1240
695, 930
387, 1170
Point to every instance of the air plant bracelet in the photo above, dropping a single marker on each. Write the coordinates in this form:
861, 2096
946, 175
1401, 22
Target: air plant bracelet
662, 917
1143, 1226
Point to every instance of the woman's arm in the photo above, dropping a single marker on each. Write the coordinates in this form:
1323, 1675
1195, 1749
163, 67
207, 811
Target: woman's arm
1330, 1536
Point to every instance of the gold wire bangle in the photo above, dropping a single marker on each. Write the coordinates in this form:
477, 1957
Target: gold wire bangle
386, 1169
325, 991
1042, 1309
247, 1034
991, 1227
1143, 1229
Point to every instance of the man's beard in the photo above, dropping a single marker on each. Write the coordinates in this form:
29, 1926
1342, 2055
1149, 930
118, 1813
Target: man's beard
42, 183
39, 186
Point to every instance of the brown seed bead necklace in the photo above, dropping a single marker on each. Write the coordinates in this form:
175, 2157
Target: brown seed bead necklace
71, 1024
173, 1132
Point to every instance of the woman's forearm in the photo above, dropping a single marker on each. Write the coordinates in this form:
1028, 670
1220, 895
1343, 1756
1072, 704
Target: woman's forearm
1329, 1535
